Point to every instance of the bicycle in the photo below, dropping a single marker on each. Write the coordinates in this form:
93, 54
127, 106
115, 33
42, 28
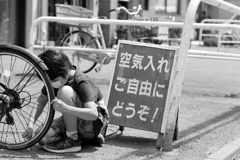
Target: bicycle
144, 34
121, 32
22, 76
85, 61
84, 38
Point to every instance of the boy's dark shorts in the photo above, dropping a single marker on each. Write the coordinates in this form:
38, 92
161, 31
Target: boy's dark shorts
86, 128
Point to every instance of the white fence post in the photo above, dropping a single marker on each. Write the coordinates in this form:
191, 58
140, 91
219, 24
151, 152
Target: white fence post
179, 75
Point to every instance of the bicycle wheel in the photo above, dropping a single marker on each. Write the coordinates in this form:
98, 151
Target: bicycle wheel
21, 81
81, 39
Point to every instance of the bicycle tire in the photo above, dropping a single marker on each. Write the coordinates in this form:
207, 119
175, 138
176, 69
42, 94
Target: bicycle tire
23, 78
84, 40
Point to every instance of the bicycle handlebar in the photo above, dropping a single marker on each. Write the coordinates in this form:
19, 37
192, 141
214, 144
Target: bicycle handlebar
118, 9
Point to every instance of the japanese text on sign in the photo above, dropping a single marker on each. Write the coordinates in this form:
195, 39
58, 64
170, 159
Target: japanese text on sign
137, 62
140, 85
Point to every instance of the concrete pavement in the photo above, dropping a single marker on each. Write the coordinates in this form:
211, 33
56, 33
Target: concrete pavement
226, 152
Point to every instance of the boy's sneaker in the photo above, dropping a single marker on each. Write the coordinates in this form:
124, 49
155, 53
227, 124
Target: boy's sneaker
100, 139
64, 145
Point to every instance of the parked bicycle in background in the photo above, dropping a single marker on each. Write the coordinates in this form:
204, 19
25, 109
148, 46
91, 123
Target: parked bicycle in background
83, 36
121, 32
145, 34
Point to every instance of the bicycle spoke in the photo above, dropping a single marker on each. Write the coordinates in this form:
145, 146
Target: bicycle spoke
25, 85
11, 68
13, 134
16, 131
23, 79
2, 67
79, 40
2, 133
7, 132
21, 116
32, 116
33, 96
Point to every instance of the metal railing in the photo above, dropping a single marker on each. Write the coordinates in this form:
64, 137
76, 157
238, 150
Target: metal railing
218, 33
124, 22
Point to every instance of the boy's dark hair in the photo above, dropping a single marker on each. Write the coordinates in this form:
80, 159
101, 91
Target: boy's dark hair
57, 62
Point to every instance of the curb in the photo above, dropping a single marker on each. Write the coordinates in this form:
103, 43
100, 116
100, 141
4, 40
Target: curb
226, 152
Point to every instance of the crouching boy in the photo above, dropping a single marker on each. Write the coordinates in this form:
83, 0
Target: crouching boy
78, 99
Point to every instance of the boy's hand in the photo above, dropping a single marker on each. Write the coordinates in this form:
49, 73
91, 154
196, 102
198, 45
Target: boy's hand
28, 134
59, 105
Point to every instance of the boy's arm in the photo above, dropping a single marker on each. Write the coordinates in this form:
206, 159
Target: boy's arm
89, 112
36, 112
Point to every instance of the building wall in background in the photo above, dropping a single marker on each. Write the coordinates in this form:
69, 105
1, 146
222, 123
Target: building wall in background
10, 29
104, 7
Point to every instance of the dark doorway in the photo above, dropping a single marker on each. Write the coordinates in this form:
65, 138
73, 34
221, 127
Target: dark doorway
20, 22
56, 30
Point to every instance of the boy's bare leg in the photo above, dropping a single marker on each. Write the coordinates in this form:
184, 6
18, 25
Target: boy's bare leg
67, 95
70, 143
48, 138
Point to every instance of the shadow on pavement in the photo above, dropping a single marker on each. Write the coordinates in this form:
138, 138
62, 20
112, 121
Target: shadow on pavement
208, 126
